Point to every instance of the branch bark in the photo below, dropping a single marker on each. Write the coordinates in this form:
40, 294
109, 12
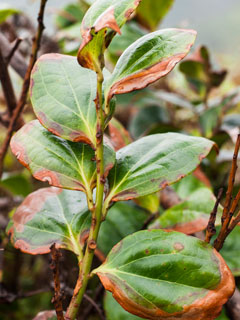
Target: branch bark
23, 97
57, 298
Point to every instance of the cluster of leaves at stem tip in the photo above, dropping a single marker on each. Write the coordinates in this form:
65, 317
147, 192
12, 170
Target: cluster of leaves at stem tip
152, 274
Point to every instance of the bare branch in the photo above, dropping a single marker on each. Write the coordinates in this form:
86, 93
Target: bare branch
211, 230
57, 298
22, 101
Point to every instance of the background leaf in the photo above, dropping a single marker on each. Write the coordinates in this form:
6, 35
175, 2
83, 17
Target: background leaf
151, 12
153, 162
49, 216
156, 273
122, 219
191, 215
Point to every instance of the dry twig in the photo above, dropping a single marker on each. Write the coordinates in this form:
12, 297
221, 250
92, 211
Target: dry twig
227, 222
23, 97
57, 298
211, 230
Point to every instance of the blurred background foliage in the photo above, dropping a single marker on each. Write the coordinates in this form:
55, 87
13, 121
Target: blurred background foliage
200, 97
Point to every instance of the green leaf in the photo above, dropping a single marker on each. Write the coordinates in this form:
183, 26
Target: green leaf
114, 311
102, 15
17, 184
153, 162
151, 12
149, 202
122, 219
6, 11
147, 118
48, 216
148, 59
62, 163
156, 274
191, 215
62, 94
231, 251
199, 72
70, 14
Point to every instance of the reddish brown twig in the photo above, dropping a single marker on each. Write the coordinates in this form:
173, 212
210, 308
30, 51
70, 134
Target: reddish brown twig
211, 230
228, 210
23, 97
57, 298
7, 86
13, 49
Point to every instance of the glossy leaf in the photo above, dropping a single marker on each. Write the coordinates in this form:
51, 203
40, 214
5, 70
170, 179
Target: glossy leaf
114, 311
62, 94
102, 15
61, 163
151, 12
122, 220
191, 215
48, 216
153, 162
148, 59
157, 275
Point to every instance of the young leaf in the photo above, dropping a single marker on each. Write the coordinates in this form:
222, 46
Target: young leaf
62, 95
101, 15
49, 216
167, 275
62, 163
153, 162
151, 12
148, 59
191, 215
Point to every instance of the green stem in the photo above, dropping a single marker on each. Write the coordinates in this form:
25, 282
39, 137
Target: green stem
85, 265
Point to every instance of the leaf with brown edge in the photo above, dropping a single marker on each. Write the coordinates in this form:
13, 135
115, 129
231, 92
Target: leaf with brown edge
62, 94
153, 162
119, 136
191, 215
102, 15
167, 275
148, 59
59, 162
48, 216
